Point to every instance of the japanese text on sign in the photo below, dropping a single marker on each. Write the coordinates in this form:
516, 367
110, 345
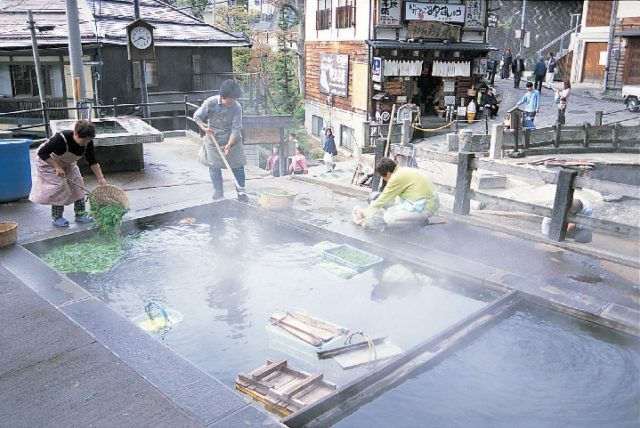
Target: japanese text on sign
434, 12
474, 18
334, 74
389, 13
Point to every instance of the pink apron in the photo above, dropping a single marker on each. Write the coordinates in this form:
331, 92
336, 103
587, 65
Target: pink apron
49, 188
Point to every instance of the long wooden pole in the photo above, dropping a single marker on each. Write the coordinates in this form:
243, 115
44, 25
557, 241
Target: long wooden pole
388, 145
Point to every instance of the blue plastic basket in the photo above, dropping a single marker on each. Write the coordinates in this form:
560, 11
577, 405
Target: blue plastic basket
336, 254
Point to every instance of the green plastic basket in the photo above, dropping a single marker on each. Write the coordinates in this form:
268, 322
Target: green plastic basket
352, 257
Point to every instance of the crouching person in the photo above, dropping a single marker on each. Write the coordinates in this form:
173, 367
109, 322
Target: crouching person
408, 199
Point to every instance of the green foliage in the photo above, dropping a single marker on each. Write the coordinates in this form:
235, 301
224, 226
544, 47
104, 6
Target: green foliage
286, 93
93, 256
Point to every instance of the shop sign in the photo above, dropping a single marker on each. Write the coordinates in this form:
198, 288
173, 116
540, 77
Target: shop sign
474, 18
433, 30
389, 13
334, 74
434, 12
376, 69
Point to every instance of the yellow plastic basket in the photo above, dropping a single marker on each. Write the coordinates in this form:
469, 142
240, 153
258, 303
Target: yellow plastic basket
276, 198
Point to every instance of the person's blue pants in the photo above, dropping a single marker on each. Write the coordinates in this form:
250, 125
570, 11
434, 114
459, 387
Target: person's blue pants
216, 177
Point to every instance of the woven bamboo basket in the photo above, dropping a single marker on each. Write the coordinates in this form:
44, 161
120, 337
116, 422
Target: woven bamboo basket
8, 233
108, 194
276, 198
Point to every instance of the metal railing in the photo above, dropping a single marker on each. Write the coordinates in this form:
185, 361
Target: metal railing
574, 28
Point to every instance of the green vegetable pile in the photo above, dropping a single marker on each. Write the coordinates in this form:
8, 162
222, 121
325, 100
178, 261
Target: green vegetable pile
108, 218
96, 255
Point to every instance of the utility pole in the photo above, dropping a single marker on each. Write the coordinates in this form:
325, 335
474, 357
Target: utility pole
36, 58
143, 74
75, 56
524, 11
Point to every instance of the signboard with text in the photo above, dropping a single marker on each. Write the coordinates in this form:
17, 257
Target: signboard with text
334, 74
434, 12
475, 15
433, 30
389, 13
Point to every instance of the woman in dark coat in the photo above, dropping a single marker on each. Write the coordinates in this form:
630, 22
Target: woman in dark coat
330, 150
507, 59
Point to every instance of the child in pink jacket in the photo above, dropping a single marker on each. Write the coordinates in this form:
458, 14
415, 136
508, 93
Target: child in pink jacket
299, 163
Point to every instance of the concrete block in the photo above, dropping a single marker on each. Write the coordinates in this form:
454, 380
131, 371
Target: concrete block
452, 142
484, 180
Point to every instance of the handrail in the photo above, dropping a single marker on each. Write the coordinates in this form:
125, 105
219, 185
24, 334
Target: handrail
557, 39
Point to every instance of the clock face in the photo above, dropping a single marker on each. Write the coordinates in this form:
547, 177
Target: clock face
140, 37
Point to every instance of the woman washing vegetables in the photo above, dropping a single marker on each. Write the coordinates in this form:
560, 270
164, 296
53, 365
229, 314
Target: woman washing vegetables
56, 165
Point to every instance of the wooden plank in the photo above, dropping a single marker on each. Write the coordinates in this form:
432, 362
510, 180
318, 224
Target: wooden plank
272, 366
608, 187
511, 205
518, 170
300, 385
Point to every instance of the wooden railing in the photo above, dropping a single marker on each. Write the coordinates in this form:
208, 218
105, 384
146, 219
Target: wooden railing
566, 181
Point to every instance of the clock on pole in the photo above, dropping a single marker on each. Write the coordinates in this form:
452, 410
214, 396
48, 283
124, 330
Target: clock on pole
140, 42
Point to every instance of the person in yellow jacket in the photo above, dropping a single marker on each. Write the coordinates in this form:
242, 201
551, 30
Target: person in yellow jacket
409, 197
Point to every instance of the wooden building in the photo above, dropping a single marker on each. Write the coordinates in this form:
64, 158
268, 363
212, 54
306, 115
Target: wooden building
610, 33
190, 54
363, 56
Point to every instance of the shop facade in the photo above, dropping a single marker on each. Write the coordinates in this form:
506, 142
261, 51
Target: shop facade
392, 52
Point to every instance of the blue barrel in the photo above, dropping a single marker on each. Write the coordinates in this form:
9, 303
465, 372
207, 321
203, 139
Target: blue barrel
15, 170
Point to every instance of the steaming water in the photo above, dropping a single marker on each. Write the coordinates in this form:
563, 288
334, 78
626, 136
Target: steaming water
535, 369
229, 276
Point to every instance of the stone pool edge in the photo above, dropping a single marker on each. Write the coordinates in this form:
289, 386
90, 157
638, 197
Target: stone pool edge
196, 392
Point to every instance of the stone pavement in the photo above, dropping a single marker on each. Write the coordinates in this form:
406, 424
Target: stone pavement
67, 360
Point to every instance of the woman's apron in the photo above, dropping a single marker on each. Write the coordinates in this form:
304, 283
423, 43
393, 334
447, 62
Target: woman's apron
221, 122
49, 188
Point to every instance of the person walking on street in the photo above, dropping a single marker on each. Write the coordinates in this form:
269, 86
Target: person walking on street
506, 63
517, 68
551, 70
220, 116
330, 150
561, 100
531, 100
539, 72
299, 163
57, 164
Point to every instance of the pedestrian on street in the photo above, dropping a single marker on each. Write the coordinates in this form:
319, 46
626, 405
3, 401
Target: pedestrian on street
220, 117
551, 70
506, 63
561, 100
539, 72
492, 68
330, 150
531, 100
57, 164
273, 162
299, 163
517, 68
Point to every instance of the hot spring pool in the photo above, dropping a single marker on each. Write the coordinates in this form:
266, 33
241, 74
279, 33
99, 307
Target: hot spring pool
226, 271
228, 275
537, 368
